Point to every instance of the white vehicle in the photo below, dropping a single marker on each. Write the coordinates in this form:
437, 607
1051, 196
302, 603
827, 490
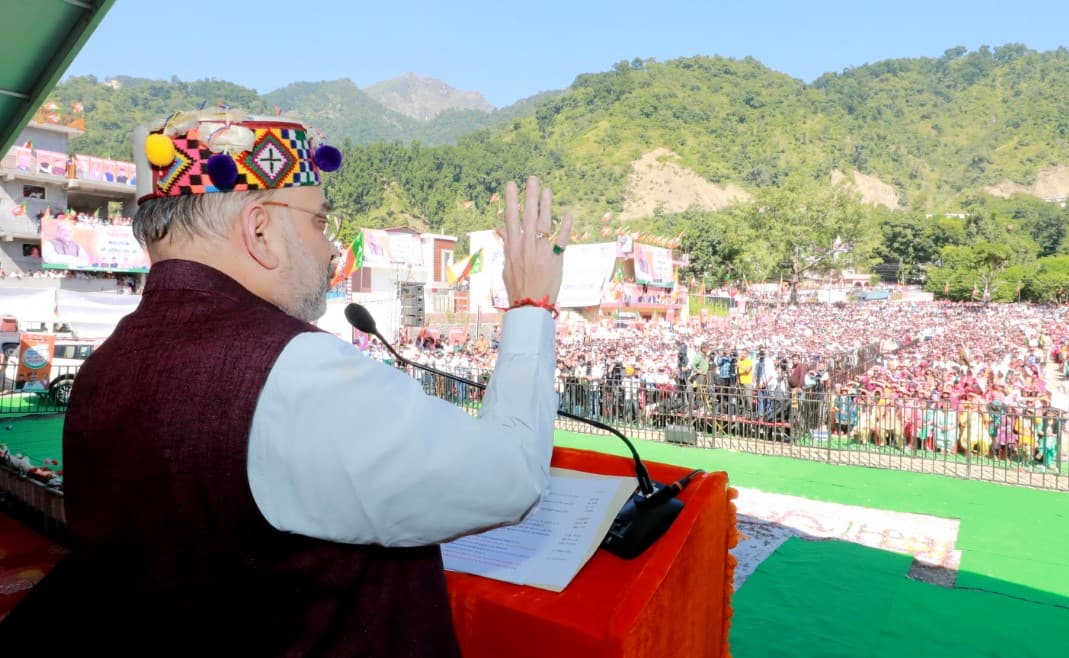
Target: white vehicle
67, 358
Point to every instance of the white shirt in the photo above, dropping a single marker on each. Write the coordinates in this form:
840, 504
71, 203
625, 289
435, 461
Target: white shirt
769, 375
348, 449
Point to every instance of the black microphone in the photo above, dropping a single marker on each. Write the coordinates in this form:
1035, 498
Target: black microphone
670, 491
646, 515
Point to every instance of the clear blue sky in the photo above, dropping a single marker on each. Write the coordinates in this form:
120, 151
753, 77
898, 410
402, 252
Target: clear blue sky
511, 50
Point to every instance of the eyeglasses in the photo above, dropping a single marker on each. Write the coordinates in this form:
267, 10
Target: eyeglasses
331, 231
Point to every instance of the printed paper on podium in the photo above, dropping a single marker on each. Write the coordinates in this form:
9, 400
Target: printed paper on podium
549, 547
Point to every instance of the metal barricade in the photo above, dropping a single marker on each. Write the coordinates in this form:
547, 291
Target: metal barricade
1012, 444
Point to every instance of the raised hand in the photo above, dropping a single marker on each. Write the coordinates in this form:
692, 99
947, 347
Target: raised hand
534, 253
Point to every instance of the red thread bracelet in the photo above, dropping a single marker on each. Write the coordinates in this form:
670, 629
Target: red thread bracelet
542, 303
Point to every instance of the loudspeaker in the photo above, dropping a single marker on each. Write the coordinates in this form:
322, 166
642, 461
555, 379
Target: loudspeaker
412, 303
680, 434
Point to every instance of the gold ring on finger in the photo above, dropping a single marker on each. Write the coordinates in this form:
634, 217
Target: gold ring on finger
541, 235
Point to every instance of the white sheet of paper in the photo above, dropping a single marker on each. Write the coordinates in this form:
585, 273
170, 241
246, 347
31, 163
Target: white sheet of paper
549, 547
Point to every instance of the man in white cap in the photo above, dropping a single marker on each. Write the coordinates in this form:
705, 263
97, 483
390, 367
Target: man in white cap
240, 483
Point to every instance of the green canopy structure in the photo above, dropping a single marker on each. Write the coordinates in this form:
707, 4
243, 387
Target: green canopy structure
41, 39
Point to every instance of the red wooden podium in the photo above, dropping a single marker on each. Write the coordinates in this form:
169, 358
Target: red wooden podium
673, 600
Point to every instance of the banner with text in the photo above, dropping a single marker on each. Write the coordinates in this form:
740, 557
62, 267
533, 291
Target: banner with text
653, 264
35, 361
104, 170
70, 245
586, 269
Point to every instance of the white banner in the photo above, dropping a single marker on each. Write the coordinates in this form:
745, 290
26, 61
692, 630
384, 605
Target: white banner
93, 314
29, 305
586, 269
383, 249
405, 249
487, 288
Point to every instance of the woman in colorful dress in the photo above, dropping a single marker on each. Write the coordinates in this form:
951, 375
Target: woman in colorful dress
972, 428
864, 430
1000, 429
1025, 426
1050, 435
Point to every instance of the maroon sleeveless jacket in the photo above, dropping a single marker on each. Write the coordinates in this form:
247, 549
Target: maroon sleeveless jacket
164, 526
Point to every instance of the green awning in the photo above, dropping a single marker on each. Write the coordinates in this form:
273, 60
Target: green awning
41, 39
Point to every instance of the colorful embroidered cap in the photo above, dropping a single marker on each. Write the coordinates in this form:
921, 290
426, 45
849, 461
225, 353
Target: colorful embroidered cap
223, 150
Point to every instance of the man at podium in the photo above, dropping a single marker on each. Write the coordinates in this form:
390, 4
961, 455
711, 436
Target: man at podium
235, 475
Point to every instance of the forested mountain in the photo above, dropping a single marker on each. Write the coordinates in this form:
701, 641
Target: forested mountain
114, 108
728, 151
338, 108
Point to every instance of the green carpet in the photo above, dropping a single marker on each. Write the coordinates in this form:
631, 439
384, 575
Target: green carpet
1013, 534
795, 605
833, 598
25, 403
37, 437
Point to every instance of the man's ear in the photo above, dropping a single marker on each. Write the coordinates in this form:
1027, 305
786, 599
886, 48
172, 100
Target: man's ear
257, 228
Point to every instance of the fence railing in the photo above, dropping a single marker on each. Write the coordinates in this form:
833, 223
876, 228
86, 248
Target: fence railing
17, 397
1013, 444
1008, 444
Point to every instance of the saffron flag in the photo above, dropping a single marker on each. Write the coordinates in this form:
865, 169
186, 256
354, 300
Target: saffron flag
352, 260
459, 270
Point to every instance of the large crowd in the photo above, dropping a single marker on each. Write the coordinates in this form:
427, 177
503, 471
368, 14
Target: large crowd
936, 377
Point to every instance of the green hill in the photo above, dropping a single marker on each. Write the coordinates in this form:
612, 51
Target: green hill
727, 151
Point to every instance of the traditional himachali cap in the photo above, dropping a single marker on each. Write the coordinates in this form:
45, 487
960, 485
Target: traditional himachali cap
223, 150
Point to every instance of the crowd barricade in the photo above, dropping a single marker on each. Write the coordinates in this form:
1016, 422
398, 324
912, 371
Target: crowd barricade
460, 394
1007, 443
987, 442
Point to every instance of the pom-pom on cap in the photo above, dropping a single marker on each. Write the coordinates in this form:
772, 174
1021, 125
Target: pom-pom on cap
159, 150
222, 170
327, 157
227, 150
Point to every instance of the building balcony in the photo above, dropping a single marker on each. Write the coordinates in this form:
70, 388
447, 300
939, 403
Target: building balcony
88, 174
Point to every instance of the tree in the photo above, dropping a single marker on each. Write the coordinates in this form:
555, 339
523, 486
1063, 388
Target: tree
809, 230
974, 272
907, 240
716, 245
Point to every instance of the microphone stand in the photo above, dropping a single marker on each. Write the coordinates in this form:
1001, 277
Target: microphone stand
646, 515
